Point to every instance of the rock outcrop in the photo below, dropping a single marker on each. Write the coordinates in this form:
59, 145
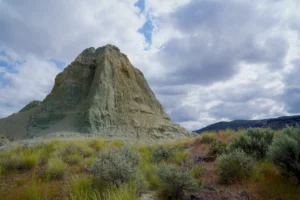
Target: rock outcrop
3, 140
100, 93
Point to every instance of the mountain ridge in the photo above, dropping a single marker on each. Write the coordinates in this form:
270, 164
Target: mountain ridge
274, 123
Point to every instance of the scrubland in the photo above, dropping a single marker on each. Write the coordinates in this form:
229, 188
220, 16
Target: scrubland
245, 164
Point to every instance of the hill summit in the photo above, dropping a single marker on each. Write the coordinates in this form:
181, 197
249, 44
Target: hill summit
100, 93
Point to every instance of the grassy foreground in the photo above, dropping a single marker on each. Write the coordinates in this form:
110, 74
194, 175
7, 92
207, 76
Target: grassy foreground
223, 165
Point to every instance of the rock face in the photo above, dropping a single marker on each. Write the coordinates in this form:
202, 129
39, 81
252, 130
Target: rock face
99, 93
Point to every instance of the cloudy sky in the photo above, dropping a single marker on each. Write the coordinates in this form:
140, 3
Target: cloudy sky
206, 60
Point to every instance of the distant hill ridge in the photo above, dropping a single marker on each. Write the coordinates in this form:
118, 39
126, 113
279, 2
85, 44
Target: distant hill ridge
274, 123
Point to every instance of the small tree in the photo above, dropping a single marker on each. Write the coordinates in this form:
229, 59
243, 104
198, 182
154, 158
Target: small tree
285, 151
176, 181
254, 142
234, 166
116, 165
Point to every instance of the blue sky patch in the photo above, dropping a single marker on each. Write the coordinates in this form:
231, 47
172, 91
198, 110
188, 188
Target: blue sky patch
140, 4
10, 64
146, 30
3, 64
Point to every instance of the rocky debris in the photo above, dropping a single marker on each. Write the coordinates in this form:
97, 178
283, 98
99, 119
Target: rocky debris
3, 140
148, 196
202, 159
99, 93
195, 197
245, 194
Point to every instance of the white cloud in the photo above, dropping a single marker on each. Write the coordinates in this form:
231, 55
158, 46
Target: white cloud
31, 80
62, 29
209, 60
37, 31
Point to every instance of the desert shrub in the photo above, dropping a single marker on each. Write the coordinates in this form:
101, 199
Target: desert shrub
180, 157
85, 188
254, 142
234, 166
116, 143
218, 148
97, 144
176, 181
285, 151
86, 162
140, 183
19, 159
162, 153
126, 191
206, 138
73, 159
149, 171
74, 152
81, 188
56, 168
196, 171
46, 150
116, 166
146, 153
79, 148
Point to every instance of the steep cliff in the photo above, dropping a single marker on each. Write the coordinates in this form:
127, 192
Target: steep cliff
100, 93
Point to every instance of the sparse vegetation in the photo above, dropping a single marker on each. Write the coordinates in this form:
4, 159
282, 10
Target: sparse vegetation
95, 169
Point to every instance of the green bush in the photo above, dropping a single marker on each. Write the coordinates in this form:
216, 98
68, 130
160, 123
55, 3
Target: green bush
81, 148
56, 168
116, 166
180, 156
196, 171
285, 151
149, 171
218, 148
176, 181
206, 138
140, 183
162, 153
97, 143
73, 159
254, 142
19, 159
234, 166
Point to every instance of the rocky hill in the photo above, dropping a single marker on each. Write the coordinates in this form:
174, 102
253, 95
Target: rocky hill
99, 93
274, 123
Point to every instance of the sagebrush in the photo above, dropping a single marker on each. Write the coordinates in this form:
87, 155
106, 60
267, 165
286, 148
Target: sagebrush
234, 166
116, 166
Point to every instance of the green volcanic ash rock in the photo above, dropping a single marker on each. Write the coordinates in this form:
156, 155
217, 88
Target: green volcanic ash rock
99, 93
